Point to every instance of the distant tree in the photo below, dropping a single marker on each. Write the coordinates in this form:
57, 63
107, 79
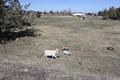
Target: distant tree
64, 12
111, 13
100, 13
118, 12
45, 12
51, 12
38, 14
61, 13
58, 12
69, 12
105, 14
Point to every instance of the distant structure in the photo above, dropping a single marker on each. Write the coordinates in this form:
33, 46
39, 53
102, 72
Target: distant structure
92, 14
79, 16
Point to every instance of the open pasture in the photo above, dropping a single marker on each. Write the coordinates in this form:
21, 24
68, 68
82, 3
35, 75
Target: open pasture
87, 39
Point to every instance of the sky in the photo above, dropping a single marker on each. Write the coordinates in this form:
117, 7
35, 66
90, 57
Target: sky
74, 5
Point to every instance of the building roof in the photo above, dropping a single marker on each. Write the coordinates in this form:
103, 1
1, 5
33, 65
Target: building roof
78, 14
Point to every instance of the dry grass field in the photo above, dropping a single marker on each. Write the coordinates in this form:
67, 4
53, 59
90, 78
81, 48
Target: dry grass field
87, 39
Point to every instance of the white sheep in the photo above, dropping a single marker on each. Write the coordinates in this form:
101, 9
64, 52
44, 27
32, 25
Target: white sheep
51, 53
66, 51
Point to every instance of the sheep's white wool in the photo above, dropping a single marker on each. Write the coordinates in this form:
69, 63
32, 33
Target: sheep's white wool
66, 52
51, 53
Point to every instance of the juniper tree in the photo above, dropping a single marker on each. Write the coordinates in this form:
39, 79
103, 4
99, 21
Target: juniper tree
111, 13
11, 18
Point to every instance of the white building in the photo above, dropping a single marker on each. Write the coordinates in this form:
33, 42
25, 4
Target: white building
81, 16
78, 14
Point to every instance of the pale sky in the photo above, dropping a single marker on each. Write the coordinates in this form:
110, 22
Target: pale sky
74, 5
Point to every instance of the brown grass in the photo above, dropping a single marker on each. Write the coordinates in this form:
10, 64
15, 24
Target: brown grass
87, 40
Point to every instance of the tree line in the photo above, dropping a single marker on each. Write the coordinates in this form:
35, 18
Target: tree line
51, 12
111, 13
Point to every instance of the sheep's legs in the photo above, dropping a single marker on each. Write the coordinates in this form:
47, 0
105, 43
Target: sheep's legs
47, 57
52, 57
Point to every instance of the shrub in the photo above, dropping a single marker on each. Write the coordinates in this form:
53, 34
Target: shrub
38, 14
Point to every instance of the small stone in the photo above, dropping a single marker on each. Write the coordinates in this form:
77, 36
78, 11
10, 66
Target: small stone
25, 70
